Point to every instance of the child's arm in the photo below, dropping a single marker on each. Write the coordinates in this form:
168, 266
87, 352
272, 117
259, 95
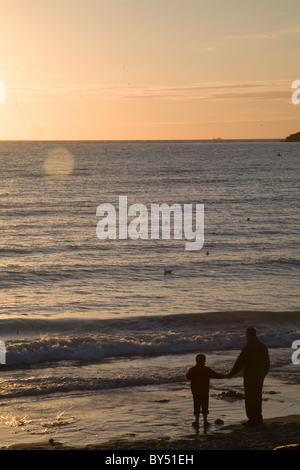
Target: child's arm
216, 375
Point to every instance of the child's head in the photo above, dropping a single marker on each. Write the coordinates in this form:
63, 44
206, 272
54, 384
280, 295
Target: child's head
200, 359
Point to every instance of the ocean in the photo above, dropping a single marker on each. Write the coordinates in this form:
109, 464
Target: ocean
99, 334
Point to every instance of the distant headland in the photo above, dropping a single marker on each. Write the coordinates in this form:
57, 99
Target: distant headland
293, 137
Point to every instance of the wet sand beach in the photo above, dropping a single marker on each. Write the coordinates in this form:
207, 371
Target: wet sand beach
282, 433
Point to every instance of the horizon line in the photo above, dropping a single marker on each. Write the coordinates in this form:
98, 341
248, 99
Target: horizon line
212, 139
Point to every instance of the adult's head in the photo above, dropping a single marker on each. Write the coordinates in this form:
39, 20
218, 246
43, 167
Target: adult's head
250, 333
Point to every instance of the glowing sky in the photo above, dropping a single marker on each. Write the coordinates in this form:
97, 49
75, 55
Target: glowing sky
141, 69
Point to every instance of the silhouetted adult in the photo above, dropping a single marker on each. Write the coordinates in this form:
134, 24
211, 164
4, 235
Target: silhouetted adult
255, 363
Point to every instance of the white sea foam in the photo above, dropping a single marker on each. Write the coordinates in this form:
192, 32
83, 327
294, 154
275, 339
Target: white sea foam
93, 340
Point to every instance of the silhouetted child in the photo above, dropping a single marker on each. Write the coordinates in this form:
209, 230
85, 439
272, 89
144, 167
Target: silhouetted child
199, 376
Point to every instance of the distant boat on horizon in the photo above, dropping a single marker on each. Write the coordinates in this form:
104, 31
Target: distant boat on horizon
217, 139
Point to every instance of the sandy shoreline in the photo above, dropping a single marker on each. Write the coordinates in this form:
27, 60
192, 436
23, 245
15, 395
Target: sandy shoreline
274, 433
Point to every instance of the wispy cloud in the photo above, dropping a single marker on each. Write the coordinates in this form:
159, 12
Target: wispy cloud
234, 90
270, 35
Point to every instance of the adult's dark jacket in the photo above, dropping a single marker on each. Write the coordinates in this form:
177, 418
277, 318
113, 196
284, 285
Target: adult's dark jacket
253, 360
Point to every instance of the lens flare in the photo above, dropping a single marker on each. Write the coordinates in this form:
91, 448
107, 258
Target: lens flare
59, 163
